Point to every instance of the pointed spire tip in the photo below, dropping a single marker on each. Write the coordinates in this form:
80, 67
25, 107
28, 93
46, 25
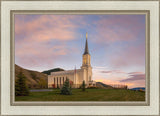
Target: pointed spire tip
86, 35
86, 46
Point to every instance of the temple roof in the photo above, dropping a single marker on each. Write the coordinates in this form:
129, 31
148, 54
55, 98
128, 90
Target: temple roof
86, 47
65, 72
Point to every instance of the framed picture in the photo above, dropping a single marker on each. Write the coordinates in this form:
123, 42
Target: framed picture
80, 58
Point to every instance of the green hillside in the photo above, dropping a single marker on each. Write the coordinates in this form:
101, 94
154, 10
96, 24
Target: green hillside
88, 95
35, 79
104, 86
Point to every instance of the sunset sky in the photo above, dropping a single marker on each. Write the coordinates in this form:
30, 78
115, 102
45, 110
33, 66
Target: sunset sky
116, 44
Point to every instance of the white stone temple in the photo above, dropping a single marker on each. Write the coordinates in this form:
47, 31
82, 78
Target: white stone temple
76, 76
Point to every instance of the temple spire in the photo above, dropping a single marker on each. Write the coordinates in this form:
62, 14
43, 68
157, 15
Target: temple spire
86, 46
86, 35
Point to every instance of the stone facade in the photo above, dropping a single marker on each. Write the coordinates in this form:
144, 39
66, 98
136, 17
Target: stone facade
76, 76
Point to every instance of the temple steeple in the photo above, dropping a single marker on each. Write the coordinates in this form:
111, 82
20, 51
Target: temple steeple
86, 46
86, 63
86, 56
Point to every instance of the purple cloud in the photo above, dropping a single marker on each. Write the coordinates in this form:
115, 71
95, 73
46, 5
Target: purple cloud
133, 55
118, 28
106, 71
134, 77
113, 71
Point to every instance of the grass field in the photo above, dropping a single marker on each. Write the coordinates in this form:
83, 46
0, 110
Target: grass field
88, 95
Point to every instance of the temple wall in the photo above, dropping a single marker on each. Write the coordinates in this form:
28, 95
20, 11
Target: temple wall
58, 78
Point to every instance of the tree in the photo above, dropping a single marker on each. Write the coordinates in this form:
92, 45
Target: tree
21, 88
66, 89
83, 86
42, 83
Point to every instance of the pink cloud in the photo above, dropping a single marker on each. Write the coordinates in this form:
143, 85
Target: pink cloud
130, 84
122, 28
113, 71
134, 73
32, 38
130, 56
113, 82
45, 27
134, 77
120, 77
38, 56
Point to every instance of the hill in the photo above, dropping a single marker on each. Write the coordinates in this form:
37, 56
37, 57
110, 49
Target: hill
88, 95
138, 88
102, 85
52, 70
35, 79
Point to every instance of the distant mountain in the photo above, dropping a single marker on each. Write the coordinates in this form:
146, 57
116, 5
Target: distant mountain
102, 85
52, 70
35, 79
138, 88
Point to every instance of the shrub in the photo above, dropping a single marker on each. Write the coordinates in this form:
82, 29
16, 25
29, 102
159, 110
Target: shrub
66, 89
83, 86
21, 88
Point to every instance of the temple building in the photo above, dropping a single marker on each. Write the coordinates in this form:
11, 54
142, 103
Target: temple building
76, 76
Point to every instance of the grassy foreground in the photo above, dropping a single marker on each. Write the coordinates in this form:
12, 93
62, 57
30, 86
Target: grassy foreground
88, 95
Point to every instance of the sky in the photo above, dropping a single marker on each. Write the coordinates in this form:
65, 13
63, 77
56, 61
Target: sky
116, 45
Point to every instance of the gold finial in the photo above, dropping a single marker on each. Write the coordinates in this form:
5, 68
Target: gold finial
86, 35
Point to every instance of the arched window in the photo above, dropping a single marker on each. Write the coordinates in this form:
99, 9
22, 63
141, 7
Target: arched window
54, 81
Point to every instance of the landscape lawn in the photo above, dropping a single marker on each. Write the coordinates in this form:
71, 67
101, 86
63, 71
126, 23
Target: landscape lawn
88, 95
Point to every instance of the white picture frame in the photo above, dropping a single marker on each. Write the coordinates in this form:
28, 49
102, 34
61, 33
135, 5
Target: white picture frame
8, 109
